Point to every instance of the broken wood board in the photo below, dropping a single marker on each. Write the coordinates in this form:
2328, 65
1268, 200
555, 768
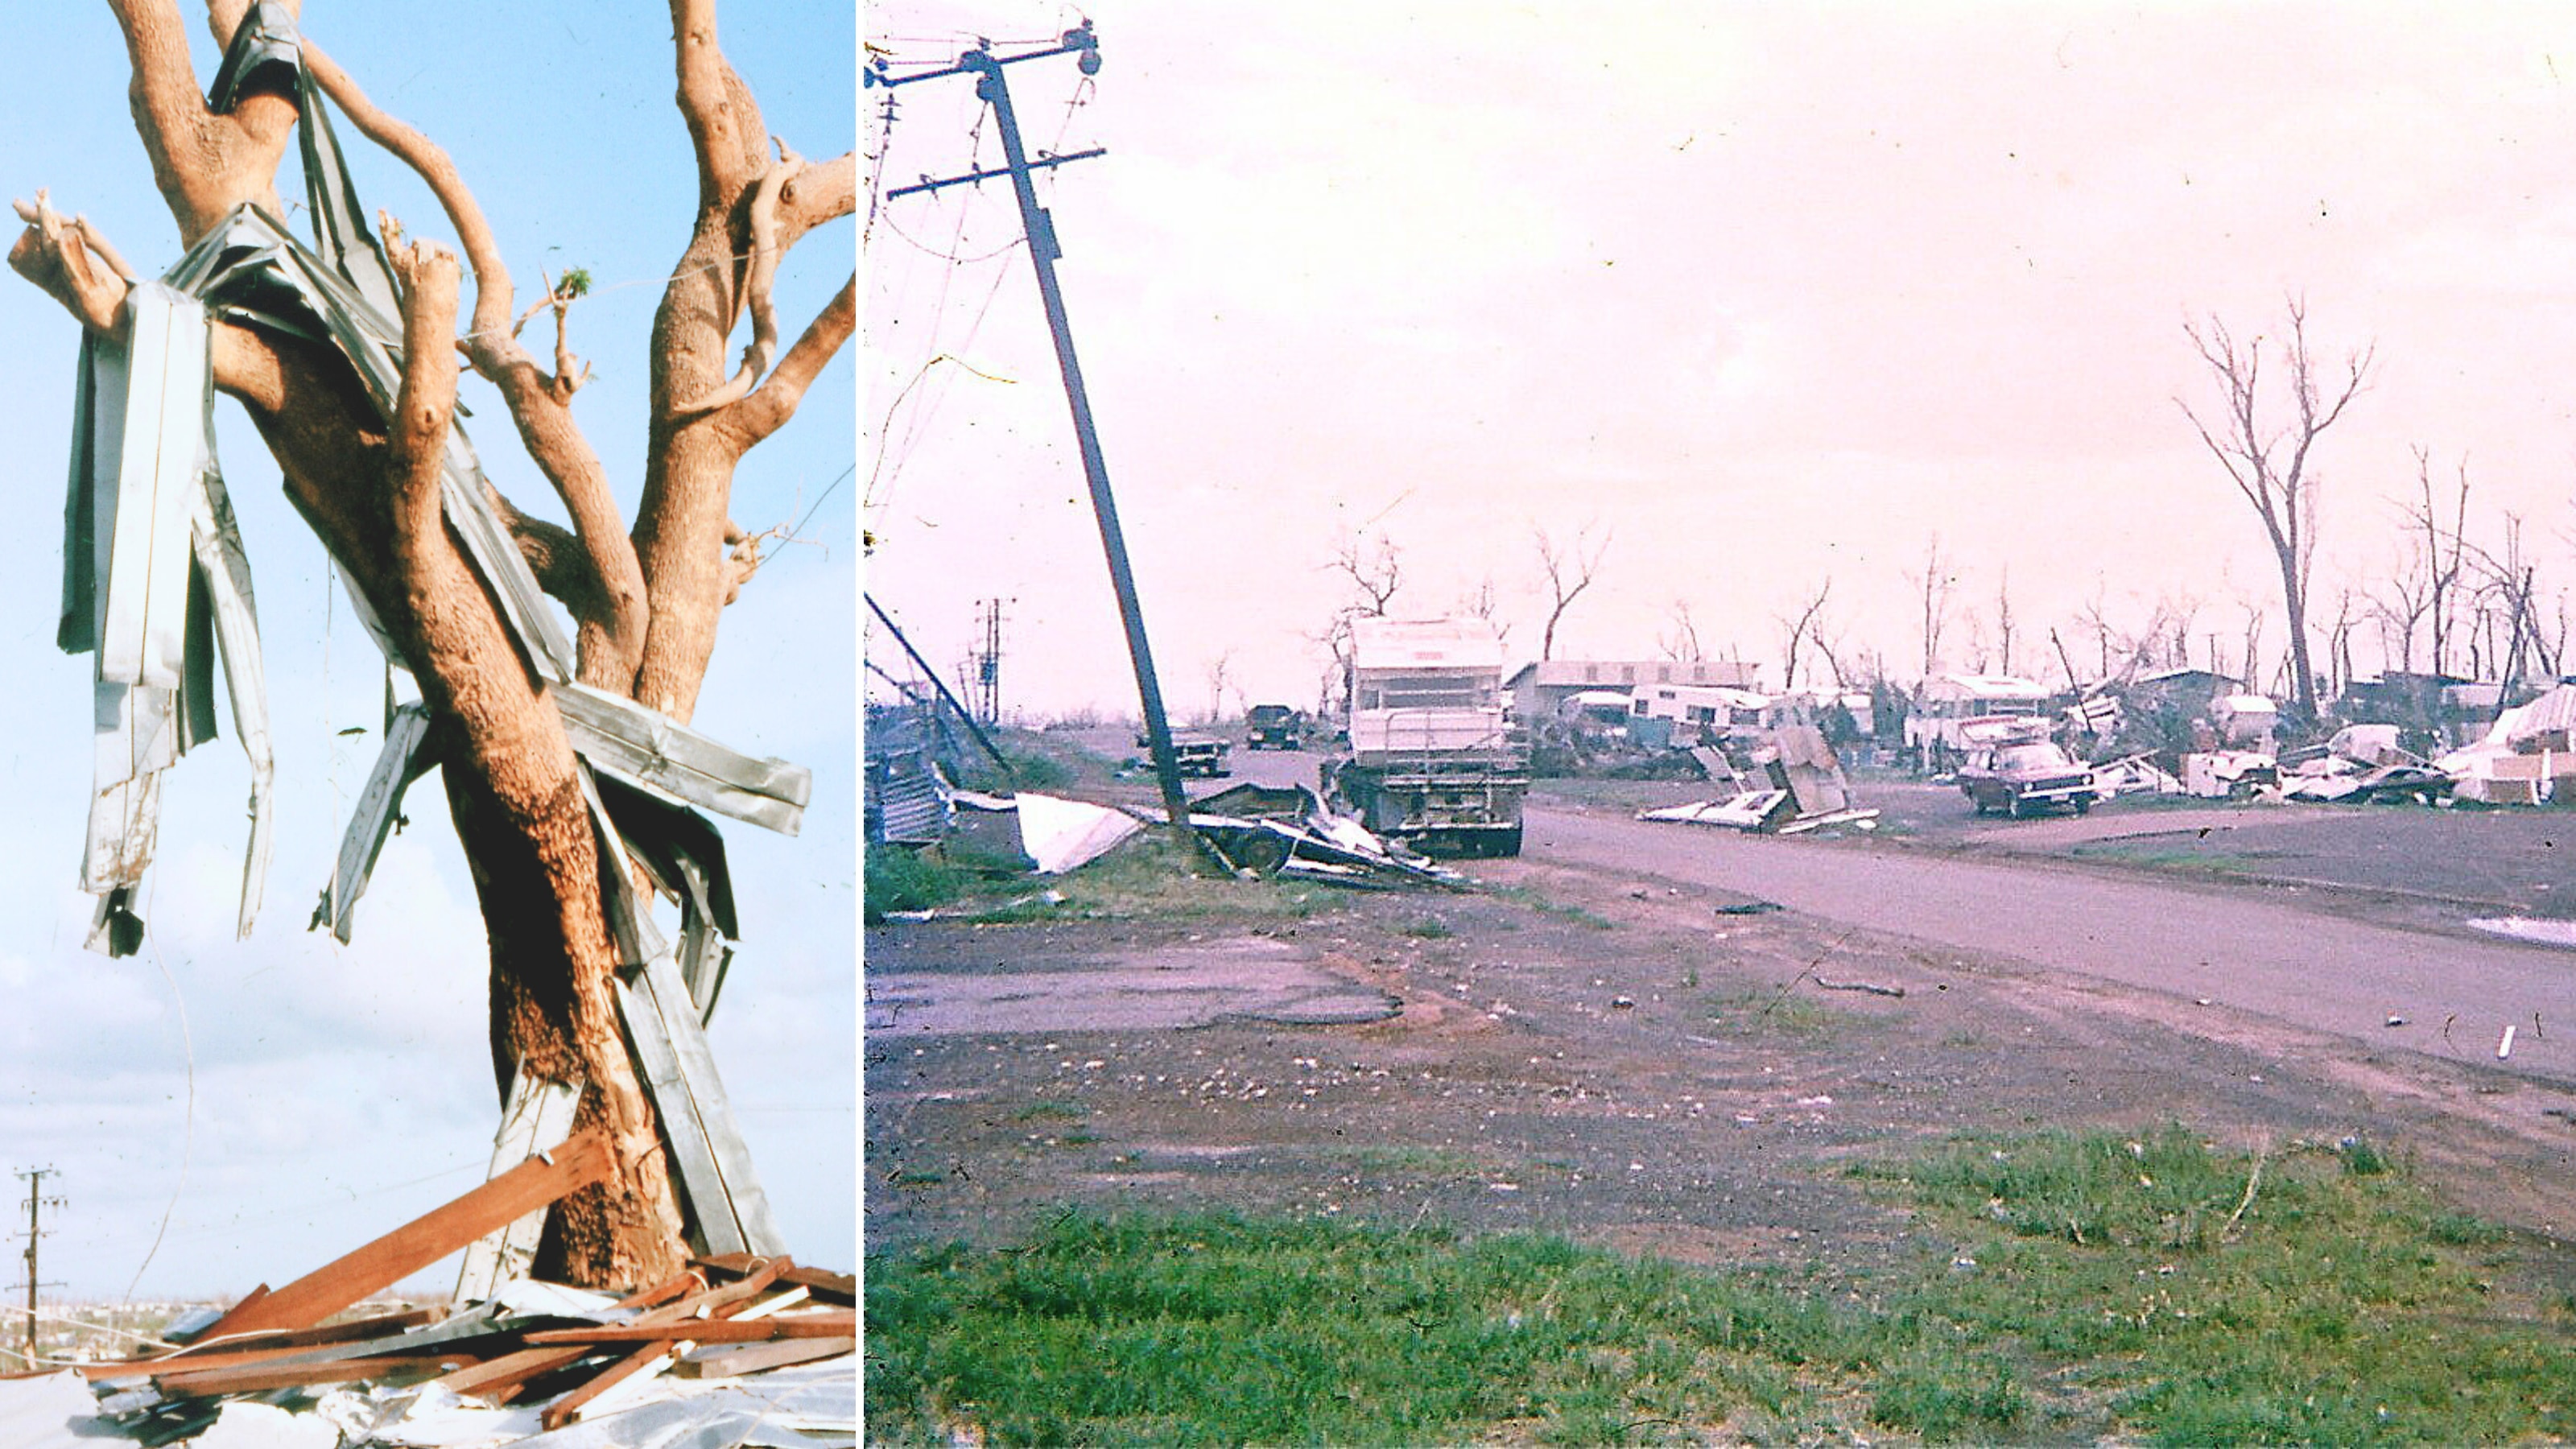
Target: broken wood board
534, 1184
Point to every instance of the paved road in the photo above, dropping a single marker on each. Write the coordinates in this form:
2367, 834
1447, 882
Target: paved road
2229, 944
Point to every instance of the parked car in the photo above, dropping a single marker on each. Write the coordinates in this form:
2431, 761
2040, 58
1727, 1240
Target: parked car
1273, 726
1194, 751
2026, 778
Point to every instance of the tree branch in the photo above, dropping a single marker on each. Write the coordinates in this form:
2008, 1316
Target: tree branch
757, 287
724, 127
823, 191
204, 164
55, 255
538, 402
768, 409
417, 435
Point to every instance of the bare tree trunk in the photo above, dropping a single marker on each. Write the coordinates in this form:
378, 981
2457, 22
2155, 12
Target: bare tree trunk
369, 487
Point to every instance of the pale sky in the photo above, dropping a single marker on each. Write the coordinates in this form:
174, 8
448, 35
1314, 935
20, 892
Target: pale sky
340, 1091
1768, 293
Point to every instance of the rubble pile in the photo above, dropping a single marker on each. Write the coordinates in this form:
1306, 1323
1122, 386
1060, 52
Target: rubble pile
738, 1349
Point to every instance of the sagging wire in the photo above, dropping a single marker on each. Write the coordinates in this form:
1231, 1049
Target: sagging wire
188, 1132
42, 1316
232, 1224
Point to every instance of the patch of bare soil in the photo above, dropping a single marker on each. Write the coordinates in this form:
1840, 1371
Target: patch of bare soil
1644, 1072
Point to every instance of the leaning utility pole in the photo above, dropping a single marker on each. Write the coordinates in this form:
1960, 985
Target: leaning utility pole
36, 1202
993, 90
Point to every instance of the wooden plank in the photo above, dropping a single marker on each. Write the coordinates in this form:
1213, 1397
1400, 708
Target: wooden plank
259, 1378
826, 1285
837, 1324
222, 1328
501, 1380
253, 1347
749, 1205
648, 1359
733, 1360
537, 1118
533, 1184
702, 1185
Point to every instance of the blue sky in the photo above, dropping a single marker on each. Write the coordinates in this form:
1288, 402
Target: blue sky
338, 1091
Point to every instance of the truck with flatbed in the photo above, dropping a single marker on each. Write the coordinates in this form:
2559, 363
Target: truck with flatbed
1433, 758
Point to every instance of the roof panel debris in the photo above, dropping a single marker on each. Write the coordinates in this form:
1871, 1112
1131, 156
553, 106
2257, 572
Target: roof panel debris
739, 1349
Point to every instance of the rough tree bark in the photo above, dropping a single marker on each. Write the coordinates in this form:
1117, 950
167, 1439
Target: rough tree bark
645, 601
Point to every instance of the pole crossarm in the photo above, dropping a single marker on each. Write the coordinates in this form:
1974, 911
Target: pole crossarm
992, 173
1079, 40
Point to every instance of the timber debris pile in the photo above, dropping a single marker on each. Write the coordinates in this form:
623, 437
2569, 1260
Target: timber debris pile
738, 1349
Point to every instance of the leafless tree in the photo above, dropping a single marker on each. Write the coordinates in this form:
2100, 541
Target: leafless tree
2269, 461
2004, 619
2441, 547
2399, 603
646, 599
1681, 641
1569, 568
1798, 627
1933, 586
1374, 570
1220, 673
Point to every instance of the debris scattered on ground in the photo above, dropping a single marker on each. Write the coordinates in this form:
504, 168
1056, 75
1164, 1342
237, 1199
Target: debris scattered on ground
1872, 987
530, 1362
1792, 784
1289, 831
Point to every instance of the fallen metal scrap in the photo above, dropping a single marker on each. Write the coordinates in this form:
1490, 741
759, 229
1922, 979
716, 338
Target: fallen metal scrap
1799, 786
1288, 831
525, 1362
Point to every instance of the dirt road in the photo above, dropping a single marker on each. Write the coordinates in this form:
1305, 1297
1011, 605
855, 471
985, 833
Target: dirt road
2249, 948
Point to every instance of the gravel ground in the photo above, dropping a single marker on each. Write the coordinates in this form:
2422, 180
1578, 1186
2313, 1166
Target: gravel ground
1624, 1064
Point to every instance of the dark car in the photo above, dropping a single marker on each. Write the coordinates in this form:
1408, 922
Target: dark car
1194, 752
2024, 779
1272, 726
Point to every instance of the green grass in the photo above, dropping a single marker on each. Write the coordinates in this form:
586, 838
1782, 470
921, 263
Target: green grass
2176, 858
1428, 928
1548, 906
1151, 877
2080, 1287
1760, 1010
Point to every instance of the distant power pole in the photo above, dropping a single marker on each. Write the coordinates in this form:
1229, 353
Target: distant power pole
37, 1202
994, 91
987, 663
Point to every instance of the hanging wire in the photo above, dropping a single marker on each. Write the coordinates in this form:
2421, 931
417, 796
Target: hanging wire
188, 1131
